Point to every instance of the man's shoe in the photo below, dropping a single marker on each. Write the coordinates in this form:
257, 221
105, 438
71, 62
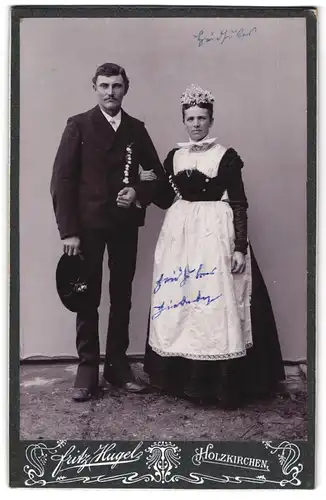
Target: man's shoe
135, 387
105, 384
81, 395
130, 386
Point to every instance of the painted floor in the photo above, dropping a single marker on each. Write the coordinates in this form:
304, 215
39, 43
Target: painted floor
47, 412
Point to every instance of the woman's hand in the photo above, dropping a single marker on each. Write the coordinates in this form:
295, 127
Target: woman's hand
238, 262
147, 175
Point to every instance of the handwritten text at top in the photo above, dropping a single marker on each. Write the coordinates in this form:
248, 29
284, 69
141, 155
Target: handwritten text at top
221, 36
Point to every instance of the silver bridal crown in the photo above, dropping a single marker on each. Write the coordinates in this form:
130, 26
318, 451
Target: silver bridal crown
196, 95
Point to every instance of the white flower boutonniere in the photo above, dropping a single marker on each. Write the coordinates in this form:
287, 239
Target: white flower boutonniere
128, 164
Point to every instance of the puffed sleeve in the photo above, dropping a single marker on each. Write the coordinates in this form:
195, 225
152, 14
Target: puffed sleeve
165, 194
233, 165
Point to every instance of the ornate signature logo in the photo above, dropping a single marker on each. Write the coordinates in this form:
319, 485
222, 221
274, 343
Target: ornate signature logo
163, 459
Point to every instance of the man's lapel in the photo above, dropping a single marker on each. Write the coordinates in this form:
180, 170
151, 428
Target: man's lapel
104, 132
108, 137
124, 133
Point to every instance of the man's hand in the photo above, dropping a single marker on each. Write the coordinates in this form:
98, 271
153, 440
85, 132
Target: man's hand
238, 262
125, 197
71, 245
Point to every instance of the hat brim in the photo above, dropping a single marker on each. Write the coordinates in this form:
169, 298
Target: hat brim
71, 283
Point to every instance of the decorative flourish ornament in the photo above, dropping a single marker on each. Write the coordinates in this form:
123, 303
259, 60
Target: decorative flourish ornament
163, 457
37, 456
288, 455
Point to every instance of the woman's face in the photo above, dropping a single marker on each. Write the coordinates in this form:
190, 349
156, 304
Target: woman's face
197, 122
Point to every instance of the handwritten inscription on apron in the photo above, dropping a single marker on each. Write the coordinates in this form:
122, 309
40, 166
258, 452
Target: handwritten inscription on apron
179, 277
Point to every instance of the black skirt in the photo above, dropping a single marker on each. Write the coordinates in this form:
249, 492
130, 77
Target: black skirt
251, 377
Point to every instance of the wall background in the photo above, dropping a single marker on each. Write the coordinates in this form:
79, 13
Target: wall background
259, 83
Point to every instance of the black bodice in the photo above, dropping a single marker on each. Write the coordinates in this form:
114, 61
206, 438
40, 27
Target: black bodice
193, 185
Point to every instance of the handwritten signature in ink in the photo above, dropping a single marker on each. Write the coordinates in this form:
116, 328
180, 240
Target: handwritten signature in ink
183, 302
181, 276
223, 35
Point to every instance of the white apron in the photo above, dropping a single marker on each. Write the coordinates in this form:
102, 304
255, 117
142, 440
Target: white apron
199, 309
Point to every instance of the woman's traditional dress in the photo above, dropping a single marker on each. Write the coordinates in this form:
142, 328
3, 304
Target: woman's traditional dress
212, 333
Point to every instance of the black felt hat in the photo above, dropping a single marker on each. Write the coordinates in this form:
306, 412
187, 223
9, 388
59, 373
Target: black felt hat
71, 280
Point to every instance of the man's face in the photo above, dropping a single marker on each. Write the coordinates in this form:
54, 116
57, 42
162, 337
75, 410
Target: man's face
110, 91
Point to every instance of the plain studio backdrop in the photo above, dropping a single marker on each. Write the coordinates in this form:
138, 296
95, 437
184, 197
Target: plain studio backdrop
259, 82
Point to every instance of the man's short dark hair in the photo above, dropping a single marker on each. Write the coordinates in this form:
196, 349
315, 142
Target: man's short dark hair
111, 69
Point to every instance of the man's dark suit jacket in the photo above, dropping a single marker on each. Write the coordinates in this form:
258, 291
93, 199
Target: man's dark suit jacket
89, 169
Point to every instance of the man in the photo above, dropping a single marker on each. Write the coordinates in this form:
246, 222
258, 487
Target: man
99, 201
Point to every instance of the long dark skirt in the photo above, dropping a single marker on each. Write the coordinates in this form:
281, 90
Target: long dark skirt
256, 375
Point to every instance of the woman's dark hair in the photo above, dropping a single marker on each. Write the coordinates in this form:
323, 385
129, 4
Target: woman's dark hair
204, 105
111, 69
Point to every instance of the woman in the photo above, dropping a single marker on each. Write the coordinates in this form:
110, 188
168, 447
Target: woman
212, 333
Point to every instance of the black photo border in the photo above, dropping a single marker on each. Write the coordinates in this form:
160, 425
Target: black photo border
292, 464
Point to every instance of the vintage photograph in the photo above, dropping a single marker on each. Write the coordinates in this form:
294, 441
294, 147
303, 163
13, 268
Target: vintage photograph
163, 249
